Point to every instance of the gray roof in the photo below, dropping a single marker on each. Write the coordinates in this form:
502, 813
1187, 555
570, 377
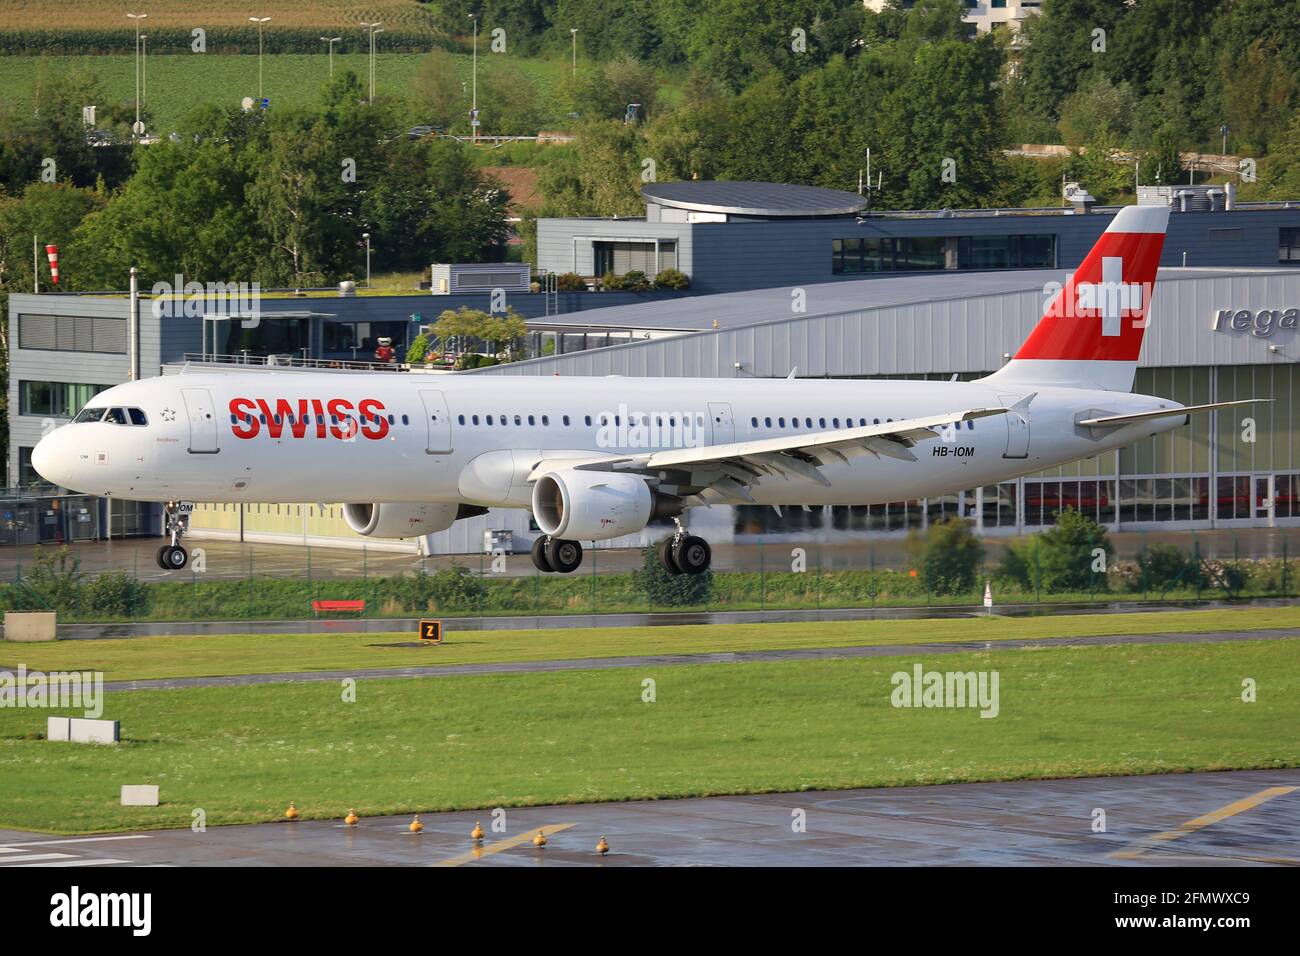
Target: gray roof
734, 309
754, 199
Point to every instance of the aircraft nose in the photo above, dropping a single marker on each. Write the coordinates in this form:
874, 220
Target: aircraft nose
49, 461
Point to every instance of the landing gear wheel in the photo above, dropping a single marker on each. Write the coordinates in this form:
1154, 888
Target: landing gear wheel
173, 557
563, 556
664, 552
539, 555
692, 555
161, 557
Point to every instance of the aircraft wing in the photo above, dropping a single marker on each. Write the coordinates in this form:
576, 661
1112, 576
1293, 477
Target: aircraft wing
729, 468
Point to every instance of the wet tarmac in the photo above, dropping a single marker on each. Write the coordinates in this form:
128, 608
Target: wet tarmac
680, 660
525, 622
1241, 818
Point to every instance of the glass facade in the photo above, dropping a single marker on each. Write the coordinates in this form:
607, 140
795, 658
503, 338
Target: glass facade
1234, 467
55, 399
1006, 252
937, 253
895, 254
363, 336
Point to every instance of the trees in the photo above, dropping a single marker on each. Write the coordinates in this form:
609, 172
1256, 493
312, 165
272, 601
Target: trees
498, 331
436, 90
942, 128
947, 556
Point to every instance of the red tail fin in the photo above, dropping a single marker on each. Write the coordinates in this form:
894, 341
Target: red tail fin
1091, 333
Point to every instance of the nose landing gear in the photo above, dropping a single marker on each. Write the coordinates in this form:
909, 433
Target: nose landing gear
684, 553
173, 557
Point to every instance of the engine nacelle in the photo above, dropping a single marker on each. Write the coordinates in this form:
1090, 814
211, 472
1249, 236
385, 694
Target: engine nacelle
386, 519
594, 505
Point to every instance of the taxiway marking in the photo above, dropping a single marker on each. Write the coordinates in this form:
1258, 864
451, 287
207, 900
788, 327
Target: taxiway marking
469, 856
1201, 822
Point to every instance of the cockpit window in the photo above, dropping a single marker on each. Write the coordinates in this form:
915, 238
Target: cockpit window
89, 415
115, 416
137, 416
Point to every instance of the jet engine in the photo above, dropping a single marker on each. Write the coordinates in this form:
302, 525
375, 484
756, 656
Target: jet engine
594, 505
386, 519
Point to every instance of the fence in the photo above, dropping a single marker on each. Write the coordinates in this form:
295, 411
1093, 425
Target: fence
766, 577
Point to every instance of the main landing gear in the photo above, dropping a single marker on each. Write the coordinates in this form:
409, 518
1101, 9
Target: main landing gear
556, 554
684, 553
680, 554
173, 557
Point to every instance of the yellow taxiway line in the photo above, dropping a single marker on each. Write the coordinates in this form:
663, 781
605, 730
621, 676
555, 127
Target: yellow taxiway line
1214, 816
478, 852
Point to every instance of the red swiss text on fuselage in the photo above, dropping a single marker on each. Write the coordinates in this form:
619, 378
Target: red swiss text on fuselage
308, 418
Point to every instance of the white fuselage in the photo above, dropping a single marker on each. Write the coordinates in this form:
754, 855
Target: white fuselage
474, 439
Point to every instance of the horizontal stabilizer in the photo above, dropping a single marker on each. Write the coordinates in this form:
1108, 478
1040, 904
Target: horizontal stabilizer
1114, 421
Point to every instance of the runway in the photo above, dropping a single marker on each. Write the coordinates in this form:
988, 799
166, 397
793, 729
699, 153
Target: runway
1242, 818
682, 660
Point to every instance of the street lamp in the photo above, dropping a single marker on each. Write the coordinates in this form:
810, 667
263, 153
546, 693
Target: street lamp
259, 21
473, 106
137, 17
371, 27
366, 236
144, 69
374, 59
574, 32
331, 41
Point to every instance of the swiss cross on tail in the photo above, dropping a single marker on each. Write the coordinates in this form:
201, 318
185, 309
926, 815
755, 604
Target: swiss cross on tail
1113, 298
1101, 312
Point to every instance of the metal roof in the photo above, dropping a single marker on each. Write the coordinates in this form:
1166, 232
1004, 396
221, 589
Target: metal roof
754, 199
736, 309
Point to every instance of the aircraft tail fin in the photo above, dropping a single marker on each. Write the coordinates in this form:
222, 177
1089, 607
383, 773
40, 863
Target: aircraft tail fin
1090, 335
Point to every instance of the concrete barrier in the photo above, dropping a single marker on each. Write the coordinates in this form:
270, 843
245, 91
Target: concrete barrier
58, 728
83, 730
139, 795
30, 626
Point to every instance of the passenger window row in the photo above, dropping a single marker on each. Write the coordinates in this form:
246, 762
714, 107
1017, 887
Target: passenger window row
834, 422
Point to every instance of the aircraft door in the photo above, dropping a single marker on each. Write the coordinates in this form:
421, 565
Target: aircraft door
724, 429
203, 421
1017, 430
438, 421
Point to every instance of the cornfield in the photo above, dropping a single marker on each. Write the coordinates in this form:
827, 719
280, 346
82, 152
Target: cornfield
111, 14
94, 27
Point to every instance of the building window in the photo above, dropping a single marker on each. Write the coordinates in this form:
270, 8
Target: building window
894, 254
1288, 244
72, 333
55, 399
363, 336
1006, 252
621, 258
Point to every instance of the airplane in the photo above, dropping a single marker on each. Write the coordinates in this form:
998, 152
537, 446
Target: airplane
599, 458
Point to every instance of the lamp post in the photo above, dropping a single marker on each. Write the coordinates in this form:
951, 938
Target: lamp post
473, 105
374, 60
371, 28
259, 21
366, 236
331, 41
574, 32
144, 69
137, 17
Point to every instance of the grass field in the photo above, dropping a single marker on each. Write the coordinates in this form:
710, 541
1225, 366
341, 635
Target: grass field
241, 754
154, 657
178, 83
107, 14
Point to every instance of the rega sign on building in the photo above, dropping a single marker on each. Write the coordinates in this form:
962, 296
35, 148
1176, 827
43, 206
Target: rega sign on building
1262, 323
